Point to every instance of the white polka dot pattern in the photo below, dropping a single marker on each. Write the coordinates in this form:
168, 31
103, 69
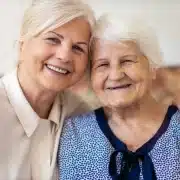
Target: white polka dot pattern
84, 151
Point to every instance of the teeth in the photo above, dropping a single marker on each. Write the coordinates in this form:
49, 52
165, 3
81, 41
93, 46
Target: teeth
119, 87
57, 69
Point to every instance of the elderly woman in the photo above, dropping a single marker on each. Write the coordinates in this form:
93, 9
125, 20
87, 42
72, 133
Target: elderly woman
53, 55
132, 136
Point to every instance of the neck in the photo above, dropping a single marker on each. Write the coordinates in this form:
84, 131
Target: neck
136, 124
176, 99
39, 98
136, 113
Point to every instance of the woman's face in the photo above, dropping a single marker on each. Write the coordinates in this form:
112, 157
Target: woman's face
57, 59
121, 75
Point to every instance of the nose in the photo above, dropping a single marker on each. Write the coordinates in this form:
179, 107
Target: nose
64, 53
116, 73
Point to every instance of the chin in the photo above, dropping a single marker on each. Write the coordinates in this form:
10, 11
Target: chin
120, 104
55, 86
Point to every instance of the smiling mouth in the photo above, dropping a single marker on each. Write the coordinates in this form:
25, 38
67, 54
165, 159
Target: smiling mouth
119, 87
57, 69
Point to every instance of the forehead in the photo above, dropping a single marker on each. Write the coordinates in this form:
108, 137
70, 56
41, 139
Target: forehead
78, 28
109, 48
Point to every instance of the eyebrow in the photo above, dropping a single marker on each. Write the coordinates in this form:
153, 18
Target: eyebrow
62, 37
57, 34
82, 43
100, 60
105, 59
129, 55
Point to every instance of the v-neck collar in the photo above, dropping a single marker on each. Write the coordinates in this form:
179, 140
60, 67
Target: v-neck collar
25, 113
119, 145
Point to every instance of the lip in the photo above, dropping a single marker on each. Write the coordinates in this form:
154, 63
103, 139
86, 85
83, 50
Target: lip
123, 86
61, 67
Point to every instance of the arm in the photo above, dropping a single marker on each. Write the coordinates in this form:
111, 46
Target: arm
67, 152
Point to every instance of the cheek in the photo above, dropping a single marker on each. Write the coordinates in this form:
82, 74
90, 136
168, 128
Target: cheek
134, 75
141, 77
35, 53
42, 54
97, 81
80, 63
138, 74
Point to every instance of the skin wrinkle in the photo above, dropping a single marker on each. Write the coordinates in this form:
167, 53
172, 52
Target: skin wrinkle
133, 114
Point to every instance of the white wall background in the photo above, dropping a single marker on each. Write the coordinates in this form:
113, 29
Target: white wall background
11, 12
164, 15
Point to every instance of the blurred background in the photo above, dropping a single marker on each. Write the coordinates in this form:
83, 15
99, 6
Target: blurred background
164, 15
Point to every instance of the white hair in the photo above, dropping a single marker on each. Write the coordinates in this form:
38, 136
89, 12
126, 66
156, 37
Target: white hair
46, 15
120, 29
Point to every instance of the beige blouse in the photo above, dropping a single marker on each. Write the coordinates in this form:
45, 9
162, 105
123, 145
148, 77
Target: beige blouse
28, 143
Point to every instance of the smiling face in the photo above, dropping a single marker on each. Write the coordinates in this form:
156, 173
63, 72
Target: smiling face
57, 59
120, 73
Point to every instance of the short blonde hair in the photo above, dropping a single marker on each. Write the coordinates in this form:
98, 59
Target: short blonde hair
46, 15
122, 29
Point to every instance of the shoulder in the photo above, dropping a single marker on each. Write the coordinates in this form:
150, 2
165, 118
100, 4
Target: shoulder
73, 104
2, 89
81, 129
7, 85
175, 124
76, 132
3, 94
176, 117
6, 109
83, 149
81, 122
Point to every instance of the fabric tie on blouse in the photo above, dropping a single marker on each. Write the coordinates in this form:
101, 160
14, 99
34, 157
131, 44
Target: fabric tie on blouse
130, 168
130, 163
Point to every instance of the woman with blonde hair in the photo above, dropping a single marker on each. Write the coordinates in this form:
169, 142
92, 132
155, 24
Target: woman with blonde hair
53, 56
132, 136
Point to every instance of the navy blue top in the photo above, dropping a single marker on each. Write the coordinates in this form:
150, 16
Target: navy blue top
89, 150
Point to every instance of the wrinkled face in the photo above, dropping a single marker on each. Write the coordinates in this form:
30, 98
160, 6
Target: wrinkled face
120, 74
57, 59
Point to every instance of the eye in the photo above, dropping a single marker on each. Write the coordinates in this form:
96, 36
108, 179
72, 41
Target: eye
77, 48
102, 65
126, 61
53, 40
129, 59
